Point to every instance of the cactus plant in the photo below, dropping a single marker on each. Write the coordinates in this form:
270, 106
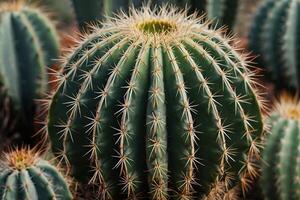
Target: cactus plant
280, 169
223, 12
23, 175
156, 104
28, 44
273, 36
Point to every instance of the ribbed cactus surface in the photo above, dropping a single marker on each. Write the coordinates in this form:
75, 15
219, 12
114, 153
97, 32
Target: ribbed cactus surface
281, 164
28, 44
154, 104
274, 36
24, 176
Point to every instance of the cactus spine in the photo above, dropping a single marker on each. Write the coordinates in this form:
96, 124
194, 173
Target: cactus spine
23, 176
155, 104
281, 166
274, 36
28, 44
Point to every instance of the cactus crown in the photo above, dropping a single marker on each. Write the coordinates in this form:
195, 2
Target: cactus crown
21, 158
156, 26
288, 107
166, 24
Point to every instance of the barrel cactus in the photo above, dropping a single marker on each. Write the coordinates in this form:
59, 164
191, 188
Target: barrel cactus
28, 44
274, 37
23, 175
156, 104
280, 169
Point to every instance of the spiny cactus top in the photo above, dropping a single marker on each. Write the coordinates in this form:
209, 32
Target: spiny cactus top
155, 103
25, 176
281, 164
275, 37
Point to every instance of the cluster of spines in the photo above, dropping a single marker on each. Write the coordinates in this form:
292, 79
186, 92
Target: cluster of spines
23, 176
79, 69
273, 37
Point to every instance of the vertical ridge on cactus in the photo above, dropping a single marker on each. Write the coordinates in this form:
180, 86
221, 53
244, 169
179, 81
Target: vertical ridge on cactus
28, 44
155, 104
280, 169
23, 175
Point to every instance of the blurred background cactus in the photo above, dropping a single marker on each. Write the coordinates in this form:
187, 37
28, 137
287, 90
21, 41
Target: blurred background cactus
274, 37
159, 105
25, 176
28, 45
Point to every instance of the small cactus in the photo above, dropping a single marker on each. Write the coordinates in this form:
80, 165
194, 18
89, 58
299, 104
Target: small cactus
281, 164
155, 104
274, 38
24, 176
28, 44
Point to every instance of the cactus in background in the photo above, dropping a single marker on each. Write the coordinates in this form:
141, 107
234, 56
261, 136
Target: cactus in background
28, 44
274, 37
90, 11
61, 9
222, 11
23, 176
281, 166
155, 103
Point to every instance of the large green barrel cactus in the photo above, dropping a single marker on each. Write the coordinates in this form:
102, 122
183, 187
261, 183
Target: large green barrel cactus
23, 176
155, 104
274, 37
223, 12
281, 164
28, 44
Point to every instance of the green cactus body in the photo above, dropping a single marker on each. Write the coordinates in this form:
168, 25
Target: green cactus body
28, 44
156, 105
23, 176
281, 167
274, 37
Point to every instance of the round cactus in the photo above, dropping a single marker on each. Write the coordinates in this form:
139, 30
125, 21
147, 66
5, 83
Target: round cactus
156, 104
23, 176
274, 37
28, 44
281, 164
